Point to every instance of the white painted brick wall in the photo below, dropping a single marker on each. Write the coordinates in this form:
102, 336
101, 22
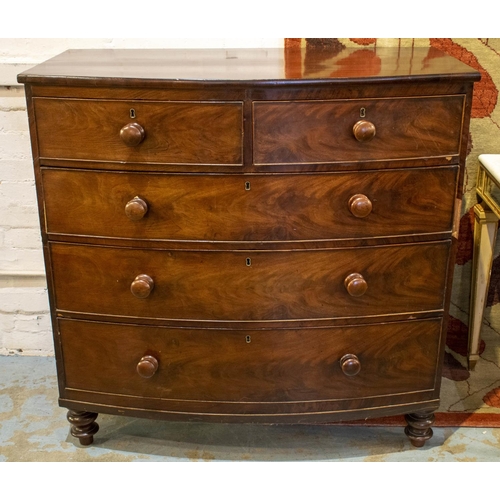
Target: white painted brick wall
23, 238
12, 170
24, 317
24, 321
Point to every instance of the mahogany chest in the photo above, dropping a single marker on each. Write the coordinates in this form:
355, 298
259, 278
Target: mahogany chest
249, 235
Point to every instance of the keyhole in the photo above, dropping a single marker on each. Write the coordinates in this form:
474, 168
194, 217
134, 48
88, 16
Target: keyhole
132, 113
362, 112
248, 339
249, 261
247, 186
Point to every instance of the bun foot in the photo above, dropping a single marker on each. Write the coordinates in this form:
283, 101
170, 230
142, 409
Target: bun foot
419, 429
83, 426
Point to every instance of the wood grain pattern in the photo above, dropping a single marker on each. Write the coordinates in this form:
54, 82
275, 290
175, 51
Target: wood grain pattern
269, 208
175, 132
310, 412
406, 128
218, 285
233, 67
269, 91
275, 366
197, 264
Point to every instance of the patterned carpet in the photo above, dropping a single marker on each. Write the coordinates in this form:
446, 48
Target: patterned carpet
467, 398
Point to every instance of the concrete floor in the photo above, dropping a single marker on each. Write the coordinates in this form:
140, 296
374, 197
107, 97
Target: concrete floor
33, 428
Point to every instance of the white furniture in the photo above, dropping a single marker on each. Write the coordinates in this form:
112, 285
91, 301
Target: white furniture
487, 214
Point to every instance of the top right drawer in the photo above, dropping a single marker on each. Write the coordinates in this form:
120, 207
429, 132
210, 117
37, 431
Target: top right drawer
294, 132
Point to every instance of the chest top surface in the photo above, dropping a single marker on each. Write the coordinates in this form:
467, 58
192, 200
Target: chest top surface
278, 66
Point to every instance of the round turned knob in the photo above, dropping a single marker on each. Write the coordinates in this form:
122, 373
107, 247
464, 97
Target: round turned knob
360, 205
132, 134
147, 366
364, 131
355, 284
142, 286
136, 209
350, 365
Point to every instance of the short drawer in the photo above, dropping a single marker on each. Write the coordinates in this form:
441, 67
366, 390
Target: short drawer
140, 131
249, 207
323, 132
249, 285
250, 366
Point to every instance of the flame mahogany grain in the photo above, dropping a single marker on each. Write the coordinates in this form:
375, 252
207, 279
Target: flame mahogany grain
239, 235
275, 208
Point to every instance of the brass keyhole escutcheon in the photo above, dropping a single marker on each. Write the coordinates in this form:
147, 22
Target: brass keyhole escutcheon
248, 261
248, 339
362, 112
132, 113
247, 186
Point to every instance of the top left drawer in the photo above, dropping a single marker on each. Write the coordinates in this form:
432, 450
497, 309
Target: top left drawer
209, 133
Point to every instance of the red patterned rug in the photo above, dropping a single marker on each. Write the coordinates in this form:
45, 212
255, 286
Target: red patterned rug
468, 399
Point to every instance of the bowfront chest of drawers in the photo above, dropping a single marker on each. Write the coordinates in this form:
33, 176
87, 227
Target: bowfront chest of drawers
249, 235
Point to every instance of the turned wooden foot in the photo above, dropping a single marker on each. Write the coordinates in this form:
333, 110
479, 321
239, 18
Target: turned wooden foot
419, 429
83, 426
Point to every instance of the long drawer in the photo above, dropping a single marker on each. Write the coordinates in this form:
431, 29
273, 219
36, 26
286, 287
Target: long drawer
249, 285
325, 132
249, 207
250, 366
140, 131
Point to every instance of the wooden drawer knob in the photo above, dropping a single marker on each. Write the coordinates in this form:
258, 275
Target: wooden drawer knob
136, 209
132, 134
147, 366
360, 205
142, 286
355, 284
364, 131
350, 365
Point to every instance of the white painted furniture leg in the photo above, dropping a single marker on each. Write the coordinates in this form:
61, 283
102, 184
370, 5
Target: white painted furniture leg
485, 233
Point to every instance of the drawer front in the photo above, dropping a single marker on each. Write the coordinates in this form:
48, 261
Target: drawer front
250, 366
249, 285
173, 132
249, 207
311, 132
